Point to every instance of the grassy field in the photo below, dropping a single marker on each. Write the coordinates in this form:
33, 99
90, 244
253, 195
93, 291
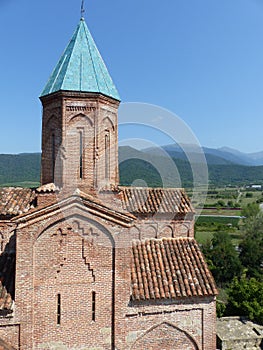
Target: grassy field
227, 198
206, 226
223, 207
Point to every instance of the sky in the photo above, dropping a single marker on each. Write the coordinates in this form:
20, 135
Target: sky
202, 60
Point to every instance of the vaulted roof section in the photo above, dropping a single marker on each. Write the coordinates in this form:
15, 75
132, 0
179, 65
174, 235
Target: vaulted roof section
146, 200
81, 68
169, 268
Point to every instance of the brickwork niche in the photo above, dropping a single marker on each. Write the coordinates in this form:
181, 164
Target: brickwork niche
73, 284
165, 335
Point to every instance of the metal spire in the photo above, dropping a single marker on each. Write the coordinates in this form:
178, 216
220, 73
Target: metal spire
82, 9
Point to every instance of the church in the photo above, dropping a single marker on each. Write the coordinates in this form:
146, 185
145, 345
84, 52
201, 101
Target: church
84, 262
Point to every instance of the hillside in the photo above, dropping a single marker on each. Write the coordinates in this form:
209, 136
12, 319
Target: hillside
139, 167
20, 169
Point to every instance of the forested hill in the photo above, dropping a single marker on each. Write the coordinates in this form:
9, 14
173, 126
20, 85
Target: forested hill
20, 169
24, 170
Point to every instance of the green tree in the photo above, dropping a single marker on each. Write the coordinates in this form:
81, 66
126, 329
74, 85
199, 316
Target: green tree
251, 246
250, 210
222, 258
245, 298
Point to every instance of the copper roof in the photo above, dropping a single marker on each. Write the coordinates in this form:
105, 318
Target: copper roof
144, 200
15, 200
169, 268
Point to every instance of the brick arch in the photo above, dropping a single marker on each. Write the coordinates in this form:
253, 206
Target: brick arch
167, 231
79, 117
165, 336
56, 221
108, 122
150, 231
53, 127
181, 230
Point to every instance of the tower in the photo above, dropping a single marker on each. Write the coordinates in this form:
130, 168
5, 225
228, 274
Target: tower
79, 125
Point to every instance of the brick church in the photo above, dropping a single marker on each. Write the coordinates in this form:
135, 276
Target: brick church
84, 262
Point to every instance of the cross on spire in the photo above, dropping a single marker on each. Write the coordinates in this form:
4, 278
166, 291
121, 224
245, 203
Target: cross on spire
82, 9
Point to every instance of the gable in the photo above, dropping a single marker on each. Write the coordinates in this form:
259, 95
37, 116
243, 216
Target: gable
76, 204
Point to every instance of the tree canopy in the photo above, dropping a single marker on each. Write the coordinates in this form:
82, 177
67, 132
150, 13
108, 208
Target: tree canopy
251, 246
222, 258
245, 298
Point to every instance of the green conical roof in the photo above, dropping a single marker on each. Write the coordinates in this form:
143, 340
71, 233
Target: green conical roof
81, 68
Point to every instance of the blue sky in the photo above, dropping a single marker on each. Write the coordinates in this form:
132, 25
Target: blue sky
202, 60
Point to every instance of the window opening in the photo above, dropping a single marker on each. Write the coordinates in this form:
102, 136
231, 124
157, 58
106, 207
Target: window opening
107, 156
93, 311
81, 154
53, 156
59, 309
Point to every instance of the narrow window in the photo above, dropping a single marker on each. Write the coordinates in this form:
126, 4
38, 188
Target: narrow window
93, 306
58, 308
81, 154
53, 156
107, 156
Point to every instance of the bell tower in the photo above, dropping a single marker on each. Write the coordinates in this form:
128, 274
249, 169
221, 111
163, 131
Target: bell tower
80, 122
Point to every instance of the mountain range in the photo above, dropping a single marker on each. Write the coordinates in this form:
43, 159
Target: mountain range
223, 155
154, 166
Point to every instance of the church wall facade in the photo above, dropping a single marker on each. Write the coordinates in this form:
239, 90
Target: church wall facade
180, 324
69, 271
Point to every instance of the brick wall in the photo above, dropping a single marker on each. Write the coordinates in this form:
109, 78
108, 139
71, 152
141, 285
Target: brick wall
68, 259
173, 325
77, 124
162, 227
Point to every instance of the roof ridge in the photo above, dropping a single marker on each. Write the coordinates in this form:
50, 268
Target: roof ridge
91, 56
105, 80
74, 44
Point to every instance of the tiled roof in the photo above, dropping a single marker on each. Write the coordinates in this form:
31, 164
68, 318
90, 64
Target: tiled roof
81, 68
15, 200
169, 268
47, 188
144, 200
